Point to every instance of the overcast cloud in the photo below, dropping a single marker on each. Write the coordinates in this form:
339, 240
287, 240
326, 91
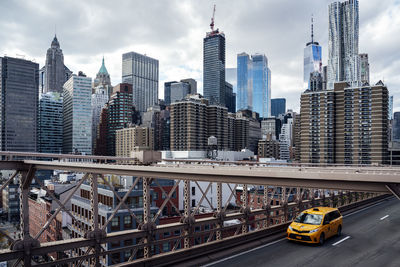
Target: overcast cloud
172, 31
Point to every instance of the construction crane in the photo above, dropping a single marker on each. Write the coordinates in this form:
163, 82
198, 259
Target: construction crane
212, 20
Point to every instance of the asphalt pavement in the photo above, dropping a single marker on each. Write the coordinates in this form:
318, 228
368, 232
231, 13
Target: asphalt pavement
370, 237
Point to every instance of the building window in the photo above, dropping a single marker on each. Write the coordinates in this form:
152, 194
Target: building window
193, 203
193, 191
115, 224
165, 247
127, 222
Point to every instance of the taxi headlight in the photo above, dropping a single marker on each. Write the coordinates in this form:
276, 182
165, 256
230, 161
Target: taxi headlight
315, 230
290, 228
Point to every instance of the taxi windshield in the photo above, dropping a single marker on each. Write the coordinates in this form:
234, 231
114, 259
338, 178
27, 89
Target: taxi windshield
308, 218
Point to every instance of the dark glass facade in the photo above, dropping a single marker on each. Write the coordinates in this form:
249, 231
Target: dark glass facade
50, 123
142, 72
167, 92
230, 98
396, 127
214, 68
278, 106
19, 89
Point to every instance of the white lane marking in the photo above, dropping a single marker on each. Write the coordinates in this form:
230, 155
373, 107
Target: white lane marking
244, 252
340, 241
384, 217
363, 209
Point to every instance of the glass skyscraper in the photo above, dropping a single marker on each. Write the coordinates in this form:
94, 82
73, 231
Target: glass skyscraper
77, 114
343, 58
390, 107
261, 85
396, 127
142, 72
244, 82
50, 123
312, 58
19, 90
278, 106
254, 84
214, 67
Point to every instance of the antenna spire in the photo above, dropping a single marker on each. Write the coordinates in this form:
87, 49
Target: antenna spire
312, 28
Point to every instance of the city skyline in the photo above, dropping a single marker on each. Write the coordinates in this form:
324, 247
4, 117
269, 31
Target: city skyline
179, 48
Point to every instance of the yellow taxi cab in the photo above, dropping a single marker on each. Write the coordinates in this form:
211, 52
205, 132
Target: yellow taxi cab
315, 225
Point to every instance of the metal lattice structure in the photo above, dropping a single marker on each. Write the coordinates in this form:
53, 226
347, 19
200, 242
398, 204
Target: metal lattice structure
263, 197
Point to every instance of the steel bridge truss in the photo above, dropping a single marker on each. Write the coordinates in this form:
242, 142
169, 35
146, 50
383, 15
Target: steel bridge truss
245, 208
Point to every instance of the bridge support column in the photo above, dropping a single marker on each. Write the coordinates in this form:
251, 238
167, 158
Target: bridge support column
94, 219
220, 215
26, 242
188, 219
245, 209
147, 222
284, 204
267, 207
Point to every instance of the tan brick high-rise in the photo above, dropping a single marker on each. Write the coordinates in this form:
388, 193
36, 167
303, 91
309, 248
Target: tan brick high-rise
347, 125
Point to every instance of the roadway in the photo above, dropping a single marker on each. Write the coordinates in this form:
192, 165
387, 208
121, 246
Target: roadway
370, 237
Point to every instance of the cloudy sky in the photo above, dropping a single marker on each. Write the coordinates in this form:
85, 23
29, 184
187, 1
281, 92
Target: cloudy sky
172, 32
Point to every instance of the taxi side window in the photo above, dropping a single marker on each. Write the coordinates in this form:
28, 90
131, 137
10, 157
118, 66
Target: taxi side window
327, 218
335, 215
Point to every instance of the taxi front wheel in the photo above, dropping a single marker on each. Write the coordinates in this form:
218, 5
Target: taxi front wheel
339, 231
322, 239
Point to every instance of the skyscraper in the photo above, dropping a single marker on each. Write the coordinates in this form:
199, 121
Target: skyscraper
364, 68
343, 58
390, 107
254, 84
244, 85
192, 85
179, 91
396, 127
77, 115
278, 106
50, 123
189, 124
100, 98
347, 125
230, 98
312, 58
19, 81
261, 85
119, 113
214, 67
167, 92
54, 74
142, 72
103, 79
